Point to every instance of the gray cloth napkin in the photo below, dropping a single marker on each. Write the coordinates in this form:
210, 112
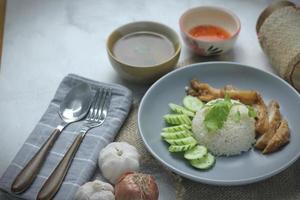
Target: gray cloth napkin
85, 162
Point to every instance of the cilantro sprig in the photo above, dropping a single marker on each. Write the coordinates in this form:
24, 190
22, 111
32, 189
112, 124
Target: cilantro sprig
219, 111
237, 116
217, 114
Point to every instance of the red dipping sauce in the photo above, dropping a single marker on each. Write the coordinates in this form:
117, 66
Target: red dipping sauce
209, 33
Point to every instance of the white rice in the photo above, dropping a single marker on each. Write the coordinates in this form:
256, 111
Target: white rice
233, 138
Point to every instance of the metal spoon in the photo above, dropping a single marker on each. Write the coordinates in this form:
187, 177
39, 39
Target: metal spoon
73, 108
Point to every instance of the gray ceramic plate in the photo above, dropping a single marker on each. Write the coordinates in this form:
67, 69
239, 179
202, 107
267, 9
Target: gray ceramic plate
246, 168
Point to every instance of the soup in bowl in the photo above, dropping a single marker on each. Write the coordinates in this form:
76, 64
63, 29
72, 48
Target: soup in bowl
143, 51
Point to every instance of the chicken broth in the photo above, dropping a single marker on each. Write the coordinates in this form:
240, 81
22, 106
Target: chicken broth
143, 49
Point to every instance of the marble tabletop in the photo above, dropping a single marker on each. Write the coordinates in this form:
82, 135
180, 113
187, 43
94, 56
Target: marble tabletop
46, 40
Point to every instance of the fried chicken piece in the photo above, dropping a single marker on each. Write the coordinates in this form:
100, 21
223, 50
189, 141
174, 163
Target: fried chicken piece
280, 138
248, 97
207, 93
274, 118
261, 122
204, 91
192, 92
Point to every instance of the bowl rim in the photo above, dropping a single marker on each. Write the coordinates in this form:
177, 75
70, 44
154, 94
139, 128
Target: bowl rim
209, 181
231, 13
170, 30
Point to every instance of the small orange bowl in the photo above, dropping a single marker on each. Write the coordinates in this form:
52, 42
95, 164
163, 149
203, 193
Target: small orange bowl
214, 16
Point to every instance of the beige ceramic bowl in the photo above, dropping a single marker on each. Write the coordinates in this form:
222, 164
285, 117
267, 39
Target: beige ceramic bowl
143, 74
207, 15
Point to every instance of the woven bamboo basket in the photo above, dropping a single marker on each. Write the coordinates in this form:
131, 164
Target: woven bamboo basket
278, 30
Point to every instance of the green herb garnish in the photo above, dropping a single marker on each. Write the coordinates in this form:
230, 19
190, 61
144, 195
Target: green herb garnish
217, 114
237, 116
251, 112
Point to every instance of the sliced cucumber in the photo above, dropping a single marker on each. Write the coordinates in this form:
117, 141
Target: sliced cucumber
181, 148
204, 163
177, 119
196, 152
176, 135
192, 103
182, 127
181, 110
181, 141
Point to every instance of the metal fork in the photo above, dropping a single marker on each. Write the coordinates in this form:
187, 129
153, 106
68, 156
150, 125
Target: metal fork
96, 116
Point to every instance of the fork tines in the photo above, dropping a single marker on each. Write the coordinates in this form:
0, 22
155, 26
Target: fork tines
99, 105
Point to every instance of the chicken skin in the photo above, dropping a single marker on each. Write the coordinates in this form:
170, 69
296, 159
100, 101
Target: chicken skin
280, 138
274, 122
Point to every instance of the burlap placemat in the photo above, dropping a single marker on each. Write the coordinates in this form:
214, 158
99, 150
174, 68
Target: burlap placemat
284, 186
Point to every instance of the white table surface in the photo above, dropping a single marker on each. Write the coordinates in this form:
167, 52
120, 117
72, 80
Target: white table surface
46, 40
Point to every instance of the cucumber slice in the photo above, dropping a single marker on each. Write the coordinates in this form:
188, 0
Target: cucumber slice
181, 110
204, 163
176, 135
181, 141
192, 103
177, 119
181, 148
195, 153
182, 127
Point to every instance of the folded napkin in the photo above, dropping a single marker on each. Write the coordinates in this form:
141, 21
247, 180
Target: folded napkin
85, 162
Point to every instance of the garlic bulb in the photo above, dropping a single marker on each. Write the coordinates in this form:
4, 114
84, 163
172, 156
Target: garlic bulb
96, 190
116, 159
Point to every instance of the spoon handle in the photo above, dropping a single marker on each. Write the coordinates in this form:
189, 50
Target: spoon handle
54, 181
27, 175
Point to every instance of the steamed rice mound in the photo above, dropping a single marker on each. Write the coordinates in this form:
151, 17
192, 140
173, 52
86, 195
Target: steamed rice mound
233, 138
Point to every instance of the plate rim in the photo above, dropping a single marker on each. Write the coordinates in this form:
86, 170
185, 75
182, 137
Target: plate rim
207, 180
